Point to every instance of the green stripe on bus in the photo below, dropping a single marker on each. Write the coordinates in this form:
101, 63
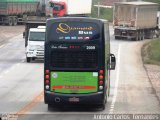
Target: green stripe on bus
74, 82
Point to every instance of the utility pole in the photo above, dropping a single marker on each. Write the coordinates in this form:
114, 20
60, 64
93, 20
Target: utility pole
98, 9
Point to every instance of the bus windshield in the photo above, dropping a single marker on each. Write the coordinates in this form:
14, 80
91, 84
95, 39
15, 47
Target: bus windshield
58, 7
37, 36
75, 45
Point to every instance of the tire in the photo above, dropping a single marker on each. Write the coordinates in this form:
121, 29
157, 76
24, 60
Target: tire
10, 21
28, 59
137, 37
33, 58
49, 107
103, 106
15, 21
116, 38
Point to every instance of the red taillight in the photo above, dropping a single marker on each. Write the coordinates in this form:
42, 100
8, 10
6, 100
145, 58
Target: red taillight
47, 82
101, 72
47, 71
101, 82
47, 76
101, 77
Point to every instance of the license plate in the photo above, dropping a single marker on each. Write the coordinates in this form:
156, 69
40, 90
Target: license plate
73, 99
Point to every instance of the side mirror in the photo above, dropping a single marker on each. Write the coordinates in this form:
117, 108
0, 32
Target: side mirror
112, 62
23, 34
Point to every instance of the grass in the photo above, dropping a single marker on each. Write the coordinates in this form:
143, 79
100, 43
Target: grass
151, 52
105, 13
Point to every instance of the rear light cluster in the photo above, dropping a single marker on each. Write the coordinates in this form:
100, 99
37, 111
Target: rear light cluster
101, 79
47, 80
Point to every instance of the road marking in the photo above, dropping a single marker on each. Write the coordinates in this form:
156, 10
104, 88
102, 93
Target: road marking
7, 71
116, 83
31, 104
17, 64
23, 60
1, 46
11, 68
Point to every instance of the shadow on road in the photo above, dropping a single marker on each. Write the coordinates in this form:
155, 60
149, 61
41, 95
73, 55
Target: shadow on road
75, 108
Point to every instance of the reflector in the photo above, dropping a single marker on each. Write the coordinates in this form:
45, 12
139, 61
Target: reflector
47, 76
47, 71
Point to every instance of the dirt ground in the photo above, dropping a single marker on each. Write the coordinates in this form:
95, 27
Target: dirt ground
7, 32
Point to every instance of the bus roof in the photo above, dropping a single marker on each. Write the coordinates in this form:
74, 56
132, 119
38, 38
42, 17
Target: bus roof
77, 18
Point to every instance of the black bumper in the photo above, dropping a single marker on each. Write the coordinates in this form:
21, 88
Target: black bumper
84, 99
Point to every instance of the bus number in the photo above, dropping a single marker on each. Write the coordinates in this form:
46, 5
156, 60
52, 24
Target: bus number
90, 47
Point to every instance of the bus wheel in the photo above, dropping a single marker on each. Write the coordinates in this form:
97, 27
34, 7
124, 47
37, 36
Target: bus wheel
28, 59
103, 106
50, 107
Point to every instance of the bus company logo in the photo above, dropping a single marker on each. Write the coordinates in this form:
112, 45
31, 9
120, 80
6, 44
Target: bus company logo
65, 28
54, 75
85, 32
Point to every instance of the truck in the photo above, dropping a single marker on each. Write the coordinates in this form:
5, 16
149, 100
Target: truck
71, 7
135, 20
52, 6
13, 12
35, 47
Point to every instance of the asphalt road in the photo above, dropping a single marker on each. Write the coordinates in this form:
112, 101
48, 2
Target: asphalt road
21, 85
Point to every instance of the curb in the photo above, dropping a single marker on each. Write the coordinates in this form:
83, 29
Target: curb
147, 72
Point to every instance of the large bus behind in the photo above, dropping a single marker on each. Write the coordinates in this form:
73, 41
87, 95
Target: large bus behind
77, 61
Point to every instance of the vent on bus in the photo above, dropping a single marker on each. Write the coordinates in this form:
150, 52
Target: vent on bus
74, 59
